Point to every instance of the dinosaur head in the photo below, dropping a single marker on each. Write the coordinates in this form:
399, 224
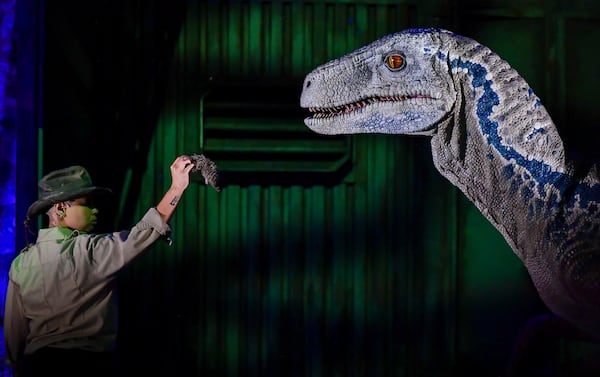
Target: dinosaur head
397, 84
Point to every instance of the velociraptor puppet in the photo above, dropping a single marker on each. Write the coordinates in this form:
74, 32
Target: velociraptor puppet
490, 137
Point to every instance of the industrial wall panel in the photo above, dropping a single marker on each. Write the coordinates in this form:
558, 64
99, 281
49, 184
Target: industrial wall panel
384, 271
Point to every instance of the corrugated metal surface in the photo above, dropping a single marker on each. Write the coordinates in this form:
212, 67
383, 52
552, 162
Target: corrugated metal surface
292, 279
372, 267
357, 278
320, 281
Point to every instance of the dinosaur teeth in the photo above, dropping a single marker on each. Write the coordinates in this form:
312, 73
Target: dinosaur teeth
328, 112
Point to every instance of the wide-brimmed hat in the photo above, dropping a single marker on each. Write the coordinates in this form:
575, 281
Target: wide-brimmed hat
63, 185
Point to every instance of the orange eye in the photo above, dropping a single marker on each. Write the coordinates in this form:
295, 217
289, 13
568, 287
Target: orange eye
395, 62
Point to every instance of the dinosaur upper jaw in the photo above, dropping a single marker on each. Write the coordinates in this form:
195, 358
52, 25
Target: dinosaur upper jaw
327, 112
386, 114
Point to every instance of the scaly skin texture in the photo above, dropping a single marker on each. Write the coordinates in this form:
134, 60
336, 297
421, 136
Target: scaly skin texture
491, 137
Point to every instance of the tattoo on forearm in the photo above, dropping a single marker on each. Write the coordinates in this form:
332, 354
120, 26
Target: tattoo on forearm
174, 200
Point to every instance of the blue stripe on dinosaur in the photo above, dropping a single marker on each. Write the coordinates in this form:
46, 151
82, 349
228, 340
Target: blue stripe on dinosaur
542, 172
535, 132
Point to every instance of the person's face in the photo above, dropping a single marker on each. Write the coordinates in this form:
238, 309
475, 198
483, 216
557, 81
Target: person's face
80, 214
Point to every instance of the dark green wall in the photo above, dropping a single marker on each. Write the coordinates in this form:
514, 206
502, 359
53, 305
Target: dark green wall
321, 256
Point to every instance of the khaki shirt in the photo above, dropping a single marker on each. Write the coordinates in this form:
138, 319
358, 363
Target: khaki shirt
61, 290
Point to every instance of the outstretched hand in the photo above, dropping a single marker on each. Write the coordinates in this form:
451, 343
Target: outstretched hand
180, 179
180, 172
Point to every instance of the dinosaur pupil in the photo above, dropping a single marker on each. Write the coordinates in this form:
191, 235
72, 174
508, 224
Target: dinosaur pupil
395, 61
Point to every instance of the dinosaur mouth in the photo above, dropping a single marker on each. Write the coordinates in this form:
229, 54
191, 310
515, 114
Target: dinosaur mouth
330, 112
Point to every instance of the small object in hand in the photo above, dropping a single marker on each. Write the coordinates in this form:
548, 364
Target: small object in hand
207, 168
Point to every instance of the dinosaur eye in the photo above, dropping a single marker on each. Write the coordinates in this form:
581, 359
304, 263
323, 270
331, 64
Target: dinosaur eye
395, 62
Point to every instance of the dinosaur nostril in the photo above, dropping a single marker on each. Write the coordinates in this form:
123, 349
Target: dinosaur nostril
307, 84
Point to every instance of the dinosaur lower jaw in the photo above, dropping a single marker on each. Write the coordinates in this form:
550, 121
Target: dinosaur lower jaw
330, 112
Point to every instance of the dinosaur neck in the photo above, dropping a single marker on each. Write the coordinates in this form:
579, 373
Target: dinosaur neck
500, 146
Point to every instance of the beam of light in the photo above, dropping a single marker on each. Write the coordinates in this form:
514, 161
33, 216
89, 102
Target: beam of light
8, 136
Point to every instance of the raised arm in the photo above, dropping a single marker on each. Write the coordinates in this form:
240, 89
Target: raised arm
180, 179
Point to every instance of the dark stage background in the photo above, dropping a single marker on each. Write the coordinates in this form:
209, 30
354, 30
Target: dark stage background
321, 256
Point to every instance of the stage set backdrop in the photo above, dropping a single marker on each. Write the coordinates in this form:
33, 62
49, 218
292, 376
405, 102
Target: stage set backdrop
321, 255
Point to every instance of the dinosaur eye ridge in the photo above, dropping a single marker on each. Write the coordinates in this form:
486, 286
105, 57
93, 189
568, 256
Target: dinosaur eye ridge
395, 61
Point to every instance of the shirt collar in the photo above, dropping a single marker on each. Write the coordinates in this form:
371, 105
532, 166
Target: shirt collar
57, 233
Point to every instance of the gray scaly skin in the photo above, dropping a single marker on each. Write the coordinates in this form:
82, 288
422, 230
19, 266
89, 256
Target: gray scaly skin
490, 137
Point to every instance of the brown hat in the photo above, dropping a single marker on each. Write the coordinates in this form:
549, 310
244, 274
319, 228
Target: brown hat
62, 185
